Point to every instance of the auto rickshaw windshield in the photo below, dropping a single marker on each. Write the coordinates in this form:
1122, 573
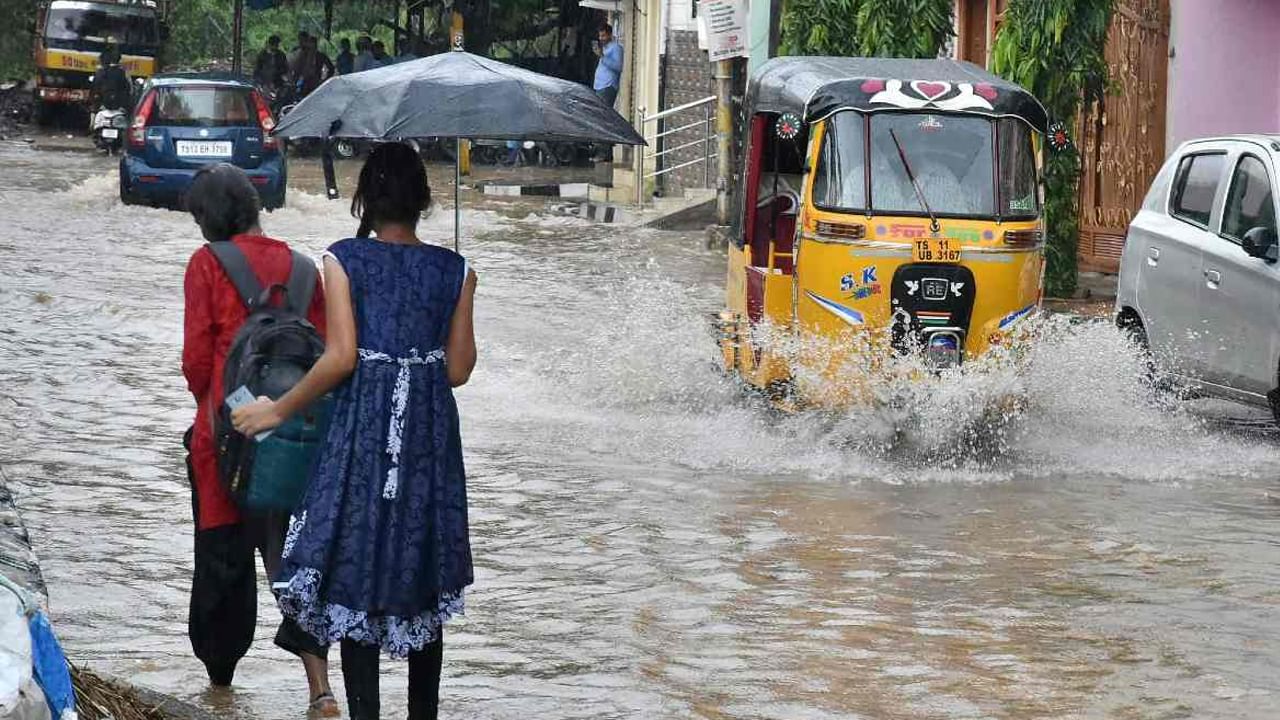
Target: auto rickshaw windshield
950, 156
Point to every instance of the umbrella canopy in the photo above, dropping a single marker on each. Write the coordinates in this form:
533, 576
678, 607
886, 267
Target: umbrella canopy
459, 95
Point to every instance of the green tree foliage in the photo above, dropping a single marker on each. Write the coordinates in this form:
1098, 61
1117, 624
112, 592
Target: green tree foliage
18, 18
200, 30
1056, 49
879, 28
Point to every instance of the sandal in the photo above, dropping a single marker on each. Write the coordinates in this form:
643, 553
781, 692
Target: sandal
324, 705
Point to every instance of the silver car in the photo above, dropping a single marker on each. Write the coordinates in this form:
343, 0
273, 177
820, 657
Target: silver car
1199, 284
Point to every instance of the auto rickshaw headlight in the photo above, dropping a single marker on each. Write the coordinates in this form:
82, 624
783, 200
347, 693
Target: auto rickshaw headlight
942, 350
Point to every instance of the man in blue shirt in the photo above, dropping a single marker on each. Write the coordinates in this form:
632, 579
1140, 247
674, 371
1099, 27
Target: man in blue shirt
609, 70
608, 78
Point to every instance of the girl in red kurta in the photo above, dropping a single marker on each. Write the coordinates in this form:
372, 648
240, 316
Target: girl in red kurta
224, 589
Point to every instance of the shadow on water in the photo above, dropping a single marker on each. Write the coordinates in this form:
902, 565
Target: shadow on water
650, 542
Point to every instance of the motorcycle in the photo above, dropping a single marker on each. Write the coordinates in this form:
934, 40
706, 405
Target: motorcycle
108, 125
108, 128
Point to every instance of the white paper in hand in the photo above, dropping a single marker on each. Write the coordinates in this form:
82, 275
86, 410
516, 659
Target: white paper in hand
240, 398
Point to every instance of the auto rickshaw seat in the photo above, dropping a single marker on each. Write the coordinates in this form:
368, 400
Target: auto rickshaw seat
776, 221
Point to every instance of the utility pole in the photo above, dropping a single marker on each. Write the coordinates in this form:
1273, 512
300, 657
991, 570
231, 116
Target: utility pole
458, 40
724, 144
237, 35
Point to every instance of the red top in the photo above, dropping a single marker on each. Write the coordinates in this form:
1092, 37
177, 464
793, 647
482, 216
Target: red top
214, 313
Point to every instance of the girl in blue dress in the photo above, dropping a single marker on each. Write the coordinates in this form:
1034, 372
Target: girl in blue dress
377, 555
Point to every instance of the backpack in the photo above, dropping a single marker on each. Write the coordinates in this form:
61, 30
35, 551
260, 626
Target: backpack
271, 352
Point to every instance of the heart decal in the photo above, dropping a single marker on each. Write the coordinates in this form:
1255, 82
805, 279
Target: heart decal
985, 90
930, 90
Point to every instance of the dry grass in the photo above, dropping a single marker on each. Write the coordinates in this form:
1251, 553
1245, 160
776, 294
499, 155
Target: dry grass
99, 699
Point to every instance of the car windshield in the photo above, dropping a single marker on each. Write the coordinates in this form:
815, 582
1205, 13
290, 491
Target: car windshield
101, 24
950, 157
203, 106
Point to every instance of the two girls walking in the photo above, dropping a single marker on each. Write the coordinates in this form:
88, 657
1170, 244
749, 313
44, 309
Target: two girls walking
376, 557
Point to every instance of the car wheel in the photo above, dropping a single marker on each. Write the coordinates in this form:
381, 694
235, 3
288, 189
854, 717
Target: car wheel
44, 113
344, 149
276, 202
126, 197
1133, 328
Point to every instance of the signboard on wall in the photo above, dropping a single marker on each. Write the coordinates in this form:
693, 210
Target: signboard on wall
726, 24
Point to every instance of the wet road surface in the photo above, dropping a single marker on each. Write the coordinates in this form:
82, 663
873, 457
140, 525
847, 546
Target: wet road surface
648, 543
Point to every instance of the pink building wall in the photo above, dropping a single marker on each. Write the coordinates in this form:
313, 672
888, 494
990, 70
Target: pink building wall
1224, 73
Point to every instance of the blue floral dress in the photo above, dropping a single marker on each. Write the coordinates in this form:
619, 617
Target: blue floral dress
378, 551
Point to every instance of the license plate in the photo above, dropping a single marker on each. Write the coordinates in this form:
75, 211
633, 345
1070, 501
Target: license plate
204, 148
935, 250
110, 133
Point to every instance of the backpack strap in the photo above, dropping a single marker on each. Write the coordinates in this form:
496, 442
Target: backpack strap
302, 283
238, 270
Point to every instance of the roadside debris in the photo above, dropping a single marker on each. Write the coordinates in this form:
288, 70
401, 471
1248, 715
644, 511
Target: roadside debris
100, 699
17, 107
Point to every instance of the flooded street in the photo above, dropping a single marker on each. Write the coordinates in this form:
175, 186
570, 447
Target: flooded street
648, 543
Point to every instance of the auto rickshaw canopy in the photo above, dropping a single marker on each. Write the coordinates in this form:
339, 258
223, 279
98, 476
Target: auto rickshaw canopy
813, 88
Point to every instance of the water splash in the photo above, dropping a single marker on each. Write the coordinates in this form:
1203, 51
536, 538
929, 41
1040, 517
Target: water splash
1069, 400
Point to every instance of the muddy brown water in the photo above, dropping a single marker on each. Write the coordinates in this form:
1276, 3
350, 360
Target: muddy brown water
648, 542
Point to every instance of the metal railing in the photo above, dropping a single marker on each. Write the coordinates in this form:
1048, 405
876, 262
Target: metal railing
643, 155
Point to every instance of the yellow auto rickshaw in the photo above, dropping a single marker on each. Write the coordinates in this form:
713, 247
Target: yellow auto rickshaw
887, 208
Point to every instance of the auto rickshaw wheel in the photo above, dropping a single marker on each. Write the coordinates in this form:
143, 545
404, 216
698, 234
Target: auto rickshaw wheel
1273, 399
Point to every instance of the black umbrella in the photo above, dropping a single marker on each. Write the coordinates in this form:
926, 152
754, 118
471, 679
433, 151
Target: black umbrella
458, 95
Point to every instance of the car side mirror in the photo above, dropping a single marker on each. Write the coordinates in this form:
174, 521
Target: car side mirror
1260, 242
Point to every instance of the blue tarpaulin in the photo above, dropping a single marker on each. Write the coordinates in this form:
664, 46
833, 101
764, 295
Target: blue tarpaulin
51, 668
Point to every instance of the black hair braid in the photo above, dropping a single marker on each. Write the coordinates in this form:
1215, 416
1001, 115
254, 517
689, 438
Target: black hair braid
392, 188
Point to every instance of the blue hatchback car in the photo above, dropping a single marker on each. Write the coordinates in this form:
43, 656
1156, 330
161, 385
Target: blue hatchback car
184, 122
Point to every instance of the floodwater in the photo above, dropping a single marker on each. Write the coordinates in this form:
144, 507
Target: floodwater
648, 542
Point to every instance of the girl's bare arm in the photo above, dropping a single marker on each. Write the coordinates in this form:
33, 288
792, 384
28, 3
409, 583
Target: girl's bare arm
460, 348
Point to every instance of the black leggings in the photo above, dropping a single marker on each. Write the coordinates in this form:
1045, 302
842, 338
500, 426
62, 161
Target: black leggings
224, 590
360, 676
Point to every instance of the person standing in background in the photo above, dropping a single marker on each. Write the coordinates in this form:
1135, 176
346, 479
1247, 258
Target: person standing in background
364, 54
380, 56
272, 66
346, 60
324, 68
608, 77
609, 69
297, 50
311, 67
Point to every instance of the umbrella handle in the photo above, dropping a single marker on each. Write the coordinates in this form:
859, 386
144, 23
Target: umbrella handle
457, 192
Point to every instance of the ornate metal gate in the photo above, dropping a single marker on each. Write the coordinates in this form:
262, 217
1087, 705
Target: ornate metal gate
1122, 141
